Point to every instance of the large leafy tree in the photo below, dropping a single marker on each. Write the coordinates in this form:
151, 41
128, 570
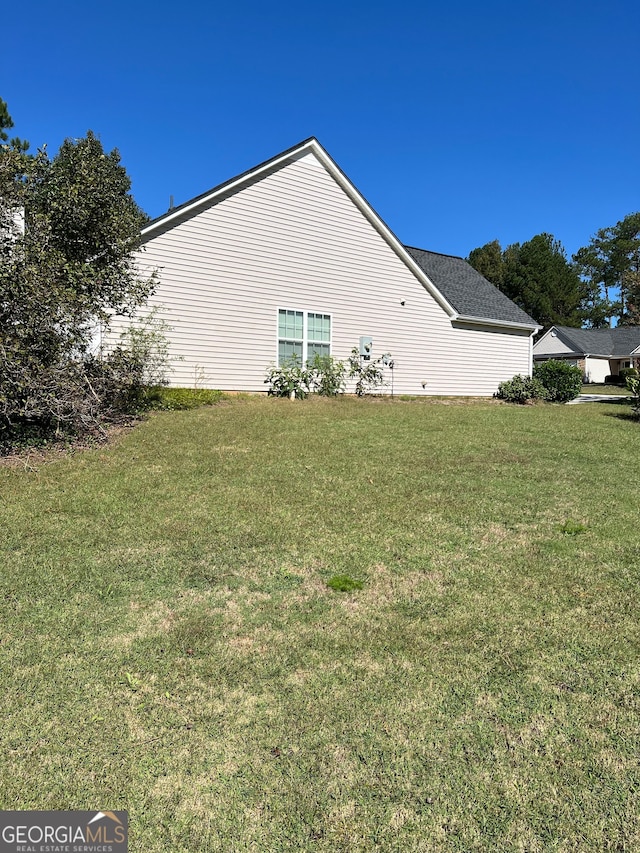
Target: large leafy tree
610, 266
68, 230
537, 276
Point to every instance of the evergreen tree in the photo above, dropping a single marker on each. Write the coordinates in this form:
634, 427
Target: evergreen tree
6, 123
610, 266
537, 276
489, 262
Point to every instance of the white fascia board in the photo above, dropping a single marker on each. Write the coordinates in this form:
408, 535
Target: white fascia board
484, 321
361, 203
311, 145
226, 187
385, 232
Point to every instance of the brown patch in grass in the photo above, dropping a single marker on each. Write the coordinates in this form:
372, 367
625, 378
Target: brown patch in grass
247, 645
157, 619
510, 537
400, 817
243, 644
312, 587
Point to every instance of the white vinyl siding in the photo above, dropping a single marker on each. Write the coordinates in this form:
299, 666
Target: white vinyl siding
294, 239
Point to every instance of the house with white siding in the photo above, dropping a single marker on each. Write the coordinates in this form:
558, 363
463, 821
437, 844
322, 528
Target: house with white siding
289, 257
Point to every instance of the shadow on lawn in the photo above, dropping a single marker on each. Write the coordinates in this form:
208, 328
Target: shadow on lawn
627, 415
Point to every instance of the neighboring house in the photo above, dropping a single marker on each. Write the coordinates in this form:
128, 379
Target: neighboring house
289, 258
597, 352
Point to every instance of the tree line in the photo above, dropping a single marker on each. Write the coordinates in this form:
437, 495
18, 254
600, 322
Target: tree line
598, 287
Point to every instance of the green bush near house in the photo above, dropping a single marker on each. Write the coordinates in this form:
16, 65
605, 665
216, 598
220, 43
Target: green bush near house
553, 381
369, 375
327, 375
288, 379
322, 375
626, 372
561, 381
520, 389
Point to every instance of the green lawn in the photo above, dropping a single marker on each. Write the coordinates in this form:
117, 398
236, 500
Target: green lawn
595, 388
175, 642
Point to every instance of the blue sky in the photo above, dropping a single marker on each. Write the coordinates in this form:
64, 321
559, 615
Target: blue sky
459, 122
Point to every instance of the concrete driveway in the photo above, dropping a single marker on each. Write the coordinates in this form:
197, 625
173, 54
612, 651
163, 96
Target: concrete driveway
598, 398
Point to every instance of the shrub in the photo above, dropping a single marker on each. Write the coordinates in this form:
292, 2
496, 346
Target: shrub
633, 384
125, 378
368, 374
626, 372
612, 379
561, 381
118, 381
323, 375
290, 378
327, 375
68, 270
520, 389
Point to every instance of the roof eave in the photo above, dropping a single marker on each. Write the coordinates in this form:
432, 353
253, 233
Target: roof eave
230, 185
382, 228
557, 356
508, 324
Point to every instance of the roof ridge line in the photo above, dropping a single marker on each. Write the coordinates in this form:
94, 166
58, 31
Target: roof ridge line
431, 252
218, 187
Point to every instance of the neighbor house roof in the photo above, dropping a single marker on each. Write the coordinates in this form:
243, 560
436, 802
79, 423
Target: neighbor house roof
463, 293
609, 343
466, 289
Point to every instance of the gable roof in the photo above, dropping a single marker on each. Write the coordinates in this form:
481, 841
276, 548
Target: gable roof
467, 290
608, 343
462, 293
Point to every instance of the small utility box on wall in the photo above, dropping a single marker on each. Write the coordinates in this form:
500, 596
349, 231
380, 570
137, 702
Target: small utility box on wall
366, 346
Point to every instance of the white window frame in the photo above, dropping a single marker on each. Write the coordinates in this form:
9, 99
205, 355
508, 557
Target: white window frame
305, 331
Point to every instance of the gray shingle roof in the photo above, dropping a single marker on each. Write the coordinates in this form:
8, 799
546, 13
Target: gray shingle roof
466, 289
625, 340
613, 343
